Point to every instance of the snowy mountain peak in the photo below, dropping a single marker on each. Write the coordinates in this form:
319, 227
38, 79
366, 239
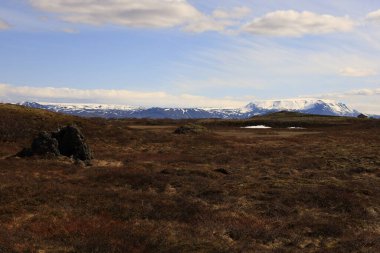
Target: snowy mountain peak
287, 104
304, 105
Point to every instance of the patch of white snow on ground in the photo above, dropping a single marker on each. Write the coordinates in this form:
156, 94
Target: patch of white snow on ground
257, 127
296, 128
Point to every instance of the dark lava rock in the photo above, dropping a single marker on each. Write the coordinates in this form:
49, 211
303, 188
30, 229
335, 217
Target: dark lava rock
72, 143
190, 129
43, 145
222, 171
25, 152
67, 141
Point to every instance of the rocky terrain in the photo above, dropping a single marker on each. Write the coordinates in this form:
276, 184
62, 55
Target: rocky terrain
67, 141
307, 184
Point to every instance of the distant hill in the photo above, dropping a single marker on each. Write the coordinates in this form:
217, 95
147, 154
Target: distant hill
20, 123
306, 106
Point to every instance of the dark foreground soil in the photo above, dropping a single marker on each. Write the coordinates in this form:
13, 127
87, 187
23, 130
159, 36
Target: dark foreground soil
227, 189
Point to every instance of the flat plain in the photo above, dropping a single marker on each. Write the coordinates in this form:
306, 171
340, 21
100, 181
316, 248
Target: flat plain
226, 189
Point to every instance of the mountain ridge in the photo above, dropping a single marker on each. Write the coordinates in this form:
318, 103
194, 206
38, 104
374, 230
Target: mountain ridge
306, 106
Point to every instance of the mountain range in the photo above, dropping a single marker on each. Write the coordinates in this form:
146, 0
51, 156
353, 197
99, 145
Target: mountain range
307, 106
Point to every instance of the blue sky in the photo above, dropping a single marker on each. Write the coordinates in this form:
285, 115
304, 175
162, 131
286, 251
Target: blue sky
190, 53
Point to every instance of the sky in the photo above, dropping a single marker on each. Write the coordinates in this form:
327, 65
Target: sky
190, 53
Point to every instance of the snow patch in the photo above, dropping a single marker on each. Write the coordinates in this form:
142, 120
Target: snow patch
257, 127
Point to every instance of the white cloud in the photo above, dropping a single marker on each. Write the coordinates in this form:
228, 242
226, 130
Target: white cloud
374, 16
142, 14
136, 98
134, 13
294, 24
363, 100
364, 92
131, 13
235, 13
356, 72
205, 24
3, 25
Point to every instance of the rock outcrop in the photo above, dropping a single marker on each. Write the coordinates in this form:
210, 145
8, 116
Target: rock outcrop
67, 141
72, 143
190, 129
45, 144
362, 116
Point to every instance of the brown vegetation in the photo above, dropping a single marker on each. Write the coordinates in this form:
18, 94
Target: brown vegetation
150, 190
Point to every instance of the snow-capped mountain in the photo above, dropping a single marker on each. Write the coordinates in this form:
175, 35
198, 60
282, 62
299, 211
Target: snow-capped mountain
308, 106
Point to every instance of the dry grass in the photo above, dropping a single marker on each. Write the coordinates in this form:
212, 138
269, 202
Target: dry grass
153, 191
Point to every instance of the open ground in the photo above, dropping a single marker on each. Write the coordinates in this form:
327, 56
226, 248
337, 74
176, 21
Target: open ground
226, 189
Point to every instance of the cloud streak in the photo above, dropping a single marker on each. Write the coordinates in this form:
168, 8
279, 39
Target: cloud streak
355, 72
131, 13
235, 13
135, 13
364, 92
3, 24
182, 14
374, 16
135, 98
291, 23
69, 30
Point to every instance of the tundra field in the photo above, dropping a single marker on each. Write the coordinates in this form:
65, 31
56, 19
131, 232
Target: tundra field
224, 188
